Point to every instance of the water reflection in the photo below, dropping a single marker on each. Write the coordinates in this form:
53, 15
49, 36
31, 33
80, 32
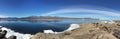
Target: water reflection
34, 26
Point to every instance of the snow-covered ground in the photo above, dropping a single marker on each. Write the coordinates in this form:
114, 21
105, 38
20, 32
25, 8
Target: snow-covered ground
72, 26
19, 35
110, 22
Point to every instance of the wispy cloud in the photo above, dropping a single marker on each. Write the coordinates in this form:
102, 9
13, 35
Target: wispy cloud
60, 11
93, 13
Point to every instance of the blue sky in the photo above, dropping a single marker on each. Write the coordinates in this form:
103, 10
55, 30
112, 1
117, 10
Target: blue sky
22, 8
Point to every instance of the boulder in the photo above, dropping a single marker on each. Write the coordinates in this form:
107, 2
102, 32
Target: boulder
117, 33
118, 24
3, 33
12, 37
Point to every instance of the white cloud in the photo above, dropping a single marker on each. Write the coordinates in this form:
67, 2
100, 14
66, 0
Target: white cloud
3, 16
60, 11
94, 13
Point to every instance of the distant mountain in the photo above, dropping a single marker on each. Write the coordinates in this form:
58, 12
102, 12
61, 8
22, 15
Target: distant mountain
45, 18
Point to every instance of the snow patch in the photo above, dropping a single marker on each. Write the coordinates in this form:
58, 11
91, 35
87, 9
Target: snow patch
110, 22
18, 35
27, 36
48, 31
72, 26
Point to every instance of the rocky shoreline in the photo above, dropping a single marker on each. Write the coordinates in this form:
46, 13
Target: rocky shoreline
99, 30
3, 35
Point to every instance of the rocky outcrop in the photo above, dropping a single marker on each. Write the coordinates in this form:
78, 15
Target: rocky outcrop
100, 30
3, 34
46, 36
12, 37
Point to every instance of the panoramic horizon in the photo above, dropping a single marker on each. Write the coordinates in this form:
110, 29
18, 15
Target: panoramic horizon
59, 19
79, 8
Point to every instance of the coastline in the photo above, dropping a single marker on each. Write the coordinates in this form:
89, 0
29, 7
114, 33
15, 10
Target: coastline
98, 30
11, 34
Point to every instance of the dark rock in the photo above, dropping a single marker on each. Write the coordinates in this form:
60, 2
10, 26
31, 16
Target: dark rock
12, 37
3, 33
0, 30
117, 33
118, 24
3, 38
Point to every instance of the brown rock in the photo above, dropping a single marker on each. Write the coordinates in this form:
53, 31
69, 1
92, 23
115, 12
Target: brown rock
46, 36
98, 30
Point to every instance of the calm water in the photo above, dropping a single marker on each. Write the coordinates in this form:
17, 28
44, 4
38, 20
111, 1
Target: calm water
32, 27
